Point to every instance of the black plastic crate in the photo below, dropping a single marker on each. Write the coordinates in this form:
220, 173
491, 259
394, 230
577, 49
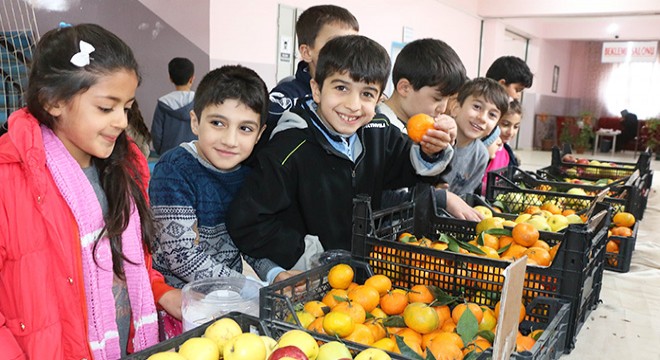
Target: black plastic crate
278, 302
621, 262
562, 169
575, 274
552, 342
518, 189
248, 323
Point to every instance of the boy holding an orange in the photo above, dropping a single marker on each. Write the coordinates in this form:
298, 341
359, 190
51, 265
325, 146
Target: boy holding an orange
298, 200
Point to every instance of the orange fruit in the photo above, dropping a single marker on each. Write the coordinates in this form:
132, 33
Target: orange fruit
386, 344
624, 219
524, 343
418, 125
521, 317
378, 313
421, 318
553, 250
444, 313
340, 276
622, 231
316, 308
379, 282
541, 244
377, 328
393, 303
504, 241
355, 311
539, 255
331, 297
338, 323
525, 234
317, 325
460, 308
420, 293
514, 251
366, 296
491, 241
532, 209
554, 209
443, 349
478, 346
449, 326
568, 212
361, 335
612, 247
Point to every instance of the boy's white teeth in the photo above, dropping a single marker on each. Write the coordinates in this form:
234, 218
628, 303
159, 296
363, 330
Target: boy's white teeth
348, 118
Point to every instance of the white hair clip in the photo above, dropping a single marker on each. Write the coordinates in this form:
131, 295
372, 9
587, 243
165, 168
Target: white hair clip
81, 59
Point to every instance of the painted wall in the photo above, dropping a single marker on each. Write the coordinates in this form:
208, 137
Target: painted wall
232, 42
153, 40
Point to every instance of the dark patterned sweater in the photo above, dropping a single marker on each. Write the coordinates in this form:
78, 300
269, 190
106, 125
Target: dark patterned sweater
189, 198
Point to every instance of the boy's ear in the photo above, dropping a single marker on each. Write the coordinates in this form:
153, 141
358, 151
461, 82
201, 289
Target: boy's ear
194, 123
261, 132
502, 82
305, 53
404, 87
316, 91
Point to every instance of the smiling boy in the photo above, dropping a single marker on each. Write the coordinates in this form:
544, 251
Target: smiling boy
193, 184
480, 104
298, 201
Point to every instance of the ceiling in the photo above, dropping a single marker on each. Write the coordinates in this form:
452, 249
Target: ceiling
571, 19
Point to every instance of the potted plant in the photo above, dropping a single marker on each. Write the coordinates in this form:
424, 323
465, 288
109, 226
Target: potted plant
584, 137
577, 133
653, 136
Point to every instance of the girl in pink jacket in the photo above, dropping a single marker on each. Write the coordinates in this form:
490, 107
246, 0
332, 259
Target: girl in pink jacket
75, 225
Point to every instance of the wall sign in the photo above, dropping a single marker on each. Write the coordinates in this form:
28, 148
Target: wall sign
629, 51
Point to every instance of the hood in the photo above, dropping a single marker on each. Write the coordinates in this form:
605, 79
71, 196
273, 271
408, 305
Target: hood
177, 104
23, 140
289, 120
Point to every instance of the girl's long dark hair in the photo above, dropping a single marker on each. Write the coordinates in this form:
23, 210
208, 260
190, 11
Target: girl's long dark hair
54, 78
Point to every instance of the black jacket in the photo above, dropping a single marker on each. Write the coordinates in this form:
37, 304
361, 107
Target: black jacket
301, 185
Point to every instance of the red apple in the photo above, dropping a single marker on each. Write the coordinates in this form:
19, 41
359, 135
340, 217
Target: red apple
289, 351
583, 161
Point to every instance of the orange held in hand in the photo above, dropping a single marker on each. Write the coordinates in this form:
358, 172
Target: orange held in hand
418, 125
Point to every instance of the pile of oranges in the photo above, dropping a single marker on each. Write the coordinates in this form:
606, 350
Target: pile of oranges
375, 314
622, 226
522, 240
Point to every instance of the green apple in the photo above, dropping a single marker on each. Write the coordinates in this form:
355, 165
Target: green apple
484, 210
199, 348
222, 331
333, 350
539, 222
166, 355
372, 354
522, 218
246, 346
577, 191
574, 219
270, 344
302, 340
558, 222
546, 214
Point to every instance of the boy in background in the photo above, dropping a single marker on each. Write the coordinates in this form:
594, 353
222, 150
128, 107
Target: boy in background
426, 73
480, 104
298, 201
171, 122
315, 27
512, 73
193, 184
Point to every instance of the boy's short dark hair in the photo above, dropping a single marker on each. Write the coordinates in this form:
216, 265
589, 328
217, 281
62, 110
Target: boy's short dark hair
364, 59
232, 82
180, 70
312, 20
512, 69
515, 107
430, 62
490, 89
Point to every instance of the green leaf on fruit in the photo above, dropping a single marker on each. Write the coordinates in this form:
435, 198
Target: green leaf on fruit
472, 355
406, 351
408, 238
501, 205
498, 232
487, 334
467, 326
299, 307
453, 245
445, 238
441, 297
429, 356
503, 249
340, 298
471, 248
394, 321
